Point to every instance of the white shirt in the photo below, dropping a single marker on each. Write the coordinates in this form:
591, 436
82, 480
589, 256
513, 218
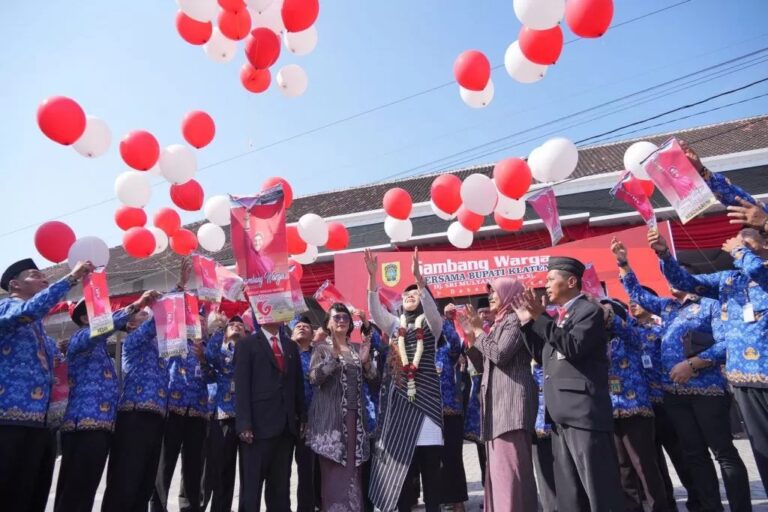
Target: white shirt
269, 337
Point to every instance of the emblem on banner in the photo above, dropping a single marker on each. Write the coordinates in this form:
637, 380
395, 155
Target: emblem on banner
390, 273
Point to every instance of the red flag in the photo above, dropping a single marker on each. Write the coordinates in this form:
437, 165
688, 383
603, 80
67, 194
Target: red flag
545, 204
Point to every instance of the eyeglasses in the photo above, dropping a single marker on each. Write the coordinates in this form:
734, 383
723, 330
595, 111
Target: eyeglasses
340, 317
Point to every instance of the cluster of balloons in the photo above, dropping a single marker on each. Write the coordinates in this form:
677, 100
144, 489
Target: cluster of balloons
56, 242
63, 120
398, 206
311, 232
260, 23
539, 44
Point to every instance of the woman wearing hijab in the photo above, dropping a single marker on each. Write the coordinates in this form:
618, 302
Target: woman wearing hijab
411, 438
509, 402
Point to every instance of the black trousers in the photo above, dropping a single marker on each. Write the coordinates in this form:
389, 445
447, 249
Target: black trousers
183, 435
586, 470
638, 466
133, 461
266, 464
426, 461
703, 424
453, 480
221, 464
543, 463
27, 457
667, 441
308, 469
83, 457
753, 403
482, 458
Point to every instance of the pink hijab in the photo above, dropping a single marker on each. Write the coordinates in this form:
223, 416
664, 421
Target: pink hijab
506, 288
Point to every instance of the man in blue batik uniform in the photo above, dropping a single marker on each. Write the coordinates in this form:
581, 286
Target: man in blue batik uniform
26, 363
86, 432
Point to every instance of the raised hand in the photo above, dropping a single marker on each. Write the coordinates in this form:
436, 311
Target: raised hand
748, 214
185, 273
732, 243
693, 158
535, 307
656, 241
82, 269
618, 249
473, 318
416, 269
520, 309
371, 262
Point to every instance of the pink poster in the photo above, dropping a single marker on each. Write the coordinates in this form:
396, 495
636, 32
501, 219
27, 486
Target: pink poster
96, 295
390, 299
261, 254
545, 204
630, 191
231, 284
299, 306
192, 316
328, 294
206, 282
590, 282
170, 320
677, 179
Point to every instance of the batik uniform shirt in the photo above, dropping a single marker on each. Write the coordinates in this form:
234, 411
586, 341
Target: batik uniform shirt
543, 429
93, 386
145, 373
450, 379
220, 354
740, 292
370, 391
26, 357
702, 315
726, 192
630, 394
305, 356
650, 335
188, 385
472, 415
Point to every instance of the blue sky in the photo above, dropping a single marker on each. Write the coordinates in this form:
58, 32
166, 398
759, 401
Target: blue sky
124, 62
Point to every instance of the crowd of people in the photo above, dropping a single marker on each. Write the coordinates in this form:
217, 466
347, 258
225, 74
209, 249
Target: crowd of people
571, 399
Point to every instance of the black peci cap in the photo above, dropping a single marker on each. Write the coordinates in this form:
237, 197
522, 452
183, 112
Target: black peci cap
566, 264
78, 311
14, 270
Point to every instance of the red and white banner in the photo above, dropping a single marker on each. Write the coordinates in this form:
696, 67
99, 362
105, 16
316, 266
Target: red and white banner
463, 273
545, 204
192, 316
631, 192
96, 295
170, 319
327, 295
677, 179
261, 254
206, 281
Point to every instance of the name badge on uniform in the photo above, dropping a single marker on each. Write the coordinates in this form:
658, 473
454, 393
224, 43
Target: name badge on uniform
647, 363
615, 385
232, 386
560, 356
748, 312
198, 372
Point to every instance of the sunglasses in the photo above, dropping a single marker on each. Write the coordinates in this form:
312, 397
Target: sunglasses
340, 317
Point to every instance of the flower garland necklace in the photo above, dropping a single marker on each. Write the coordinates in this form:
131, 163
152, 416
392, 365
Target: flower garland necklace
411, 367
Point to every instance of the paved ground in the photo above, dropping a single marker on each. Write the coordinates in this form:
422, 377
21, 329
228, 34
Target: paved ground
759, 500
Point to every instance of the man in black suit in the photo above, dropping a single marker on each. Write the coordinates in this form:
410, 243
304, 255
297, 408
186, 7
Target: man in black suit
572, 349
268, 401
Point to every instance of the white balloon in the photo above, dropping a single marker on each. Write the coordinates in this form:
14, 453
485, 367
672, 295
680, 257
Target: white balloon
520, 68
478, 193
313, 229
635, 154
398, 230
211, 237
219, 47
258, 5
270, 17
96, 138
478, 99
440, 213
539, 14
301, 43
459, 236
200, 10
307, 257
554, 160
216, 210
88, 248
292, 80
510, 208
178, 163
161, 239
132, 189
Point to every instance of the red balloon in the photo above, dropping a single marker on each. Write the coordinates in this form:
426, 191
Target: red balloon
472, 70
338, 237
193, 31
53, 240
299, 15
541, 46
139, 242
232, 5
262, 48
235, 25
470, 220
294, 242
198, 128
255, 80
184, 242
188, 196
512, 177
168, 220
446, 193
127, 217
61, 119
140, 150
287, 190
295, 269
589, 18
508, 224
398, 203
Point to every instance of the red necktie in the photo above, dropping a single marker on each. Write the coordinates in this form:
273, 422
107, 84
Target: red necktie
561, 314
278, 354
